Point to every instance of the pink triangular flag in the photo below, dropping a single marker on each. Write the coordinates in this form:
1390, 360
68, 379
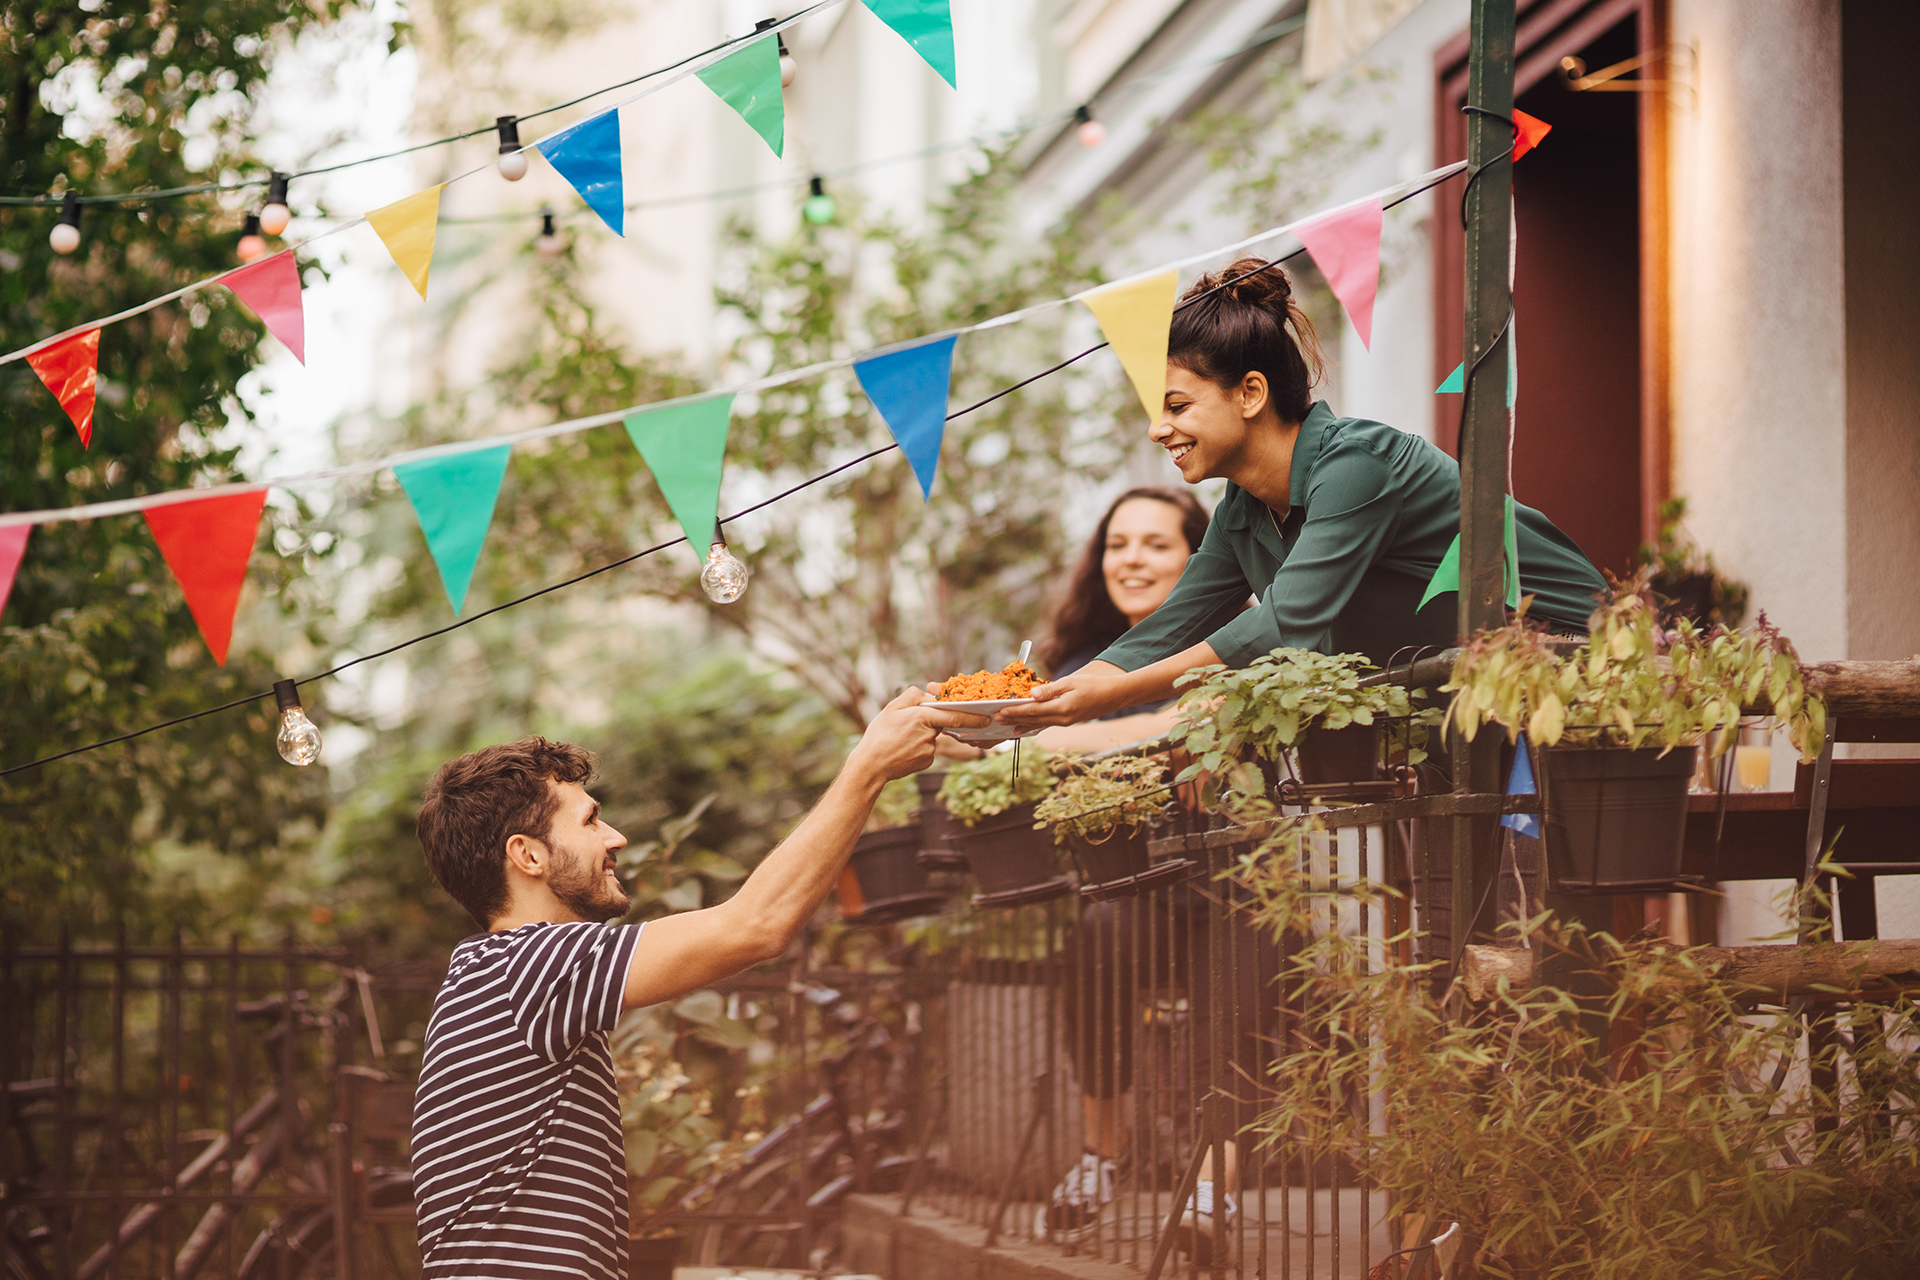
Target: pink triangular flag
13, 545
271, 287
1345, 245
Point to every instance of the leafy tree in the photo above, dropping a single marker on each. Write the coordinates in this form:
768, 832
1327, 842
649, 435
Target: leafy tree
102, 99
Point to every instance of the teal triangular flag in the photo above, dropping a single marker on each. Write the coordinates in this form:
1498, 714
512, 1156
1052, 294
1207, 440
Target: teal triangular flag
1456, 383
685, 445
749, 82
1447, 576
453, 497
909, 388
588, 156
927, 25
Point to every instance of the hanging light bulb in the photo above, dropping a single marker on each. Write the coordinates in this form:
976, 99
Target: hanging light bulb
725, 577
251, 244
275, 215
298, 740
548, 241
513, 161
65, 236
788, 67
1092, 132
819, 208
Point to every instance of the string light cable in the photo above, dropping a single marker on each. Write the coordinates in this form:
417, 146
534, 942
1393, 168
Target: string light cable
1405, 191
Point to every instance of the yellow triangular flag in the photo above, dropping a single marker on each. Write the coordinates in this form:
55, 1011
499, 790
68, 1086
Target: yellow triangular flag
1135, 315
406, 227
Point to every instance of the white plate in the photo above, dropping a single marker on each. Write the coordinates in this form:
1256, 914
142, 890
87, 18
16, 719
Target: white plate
995, 732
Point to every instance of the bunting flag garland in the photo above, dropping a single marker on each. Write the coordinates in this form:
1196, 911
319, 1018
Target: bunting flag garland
1345, 245
588, 156
1520, 783
407, 228
1447, 576
1528, 131
71, 368
1456, 382
909, 388
685, 446
927, 25
13, 545
1135, 316
453, 498
271, 287
749, 82
207, 545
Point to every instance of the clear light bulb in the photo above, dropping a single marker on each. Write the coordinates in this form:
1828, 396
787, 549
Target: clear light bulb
275, 216
725, 577
298, 740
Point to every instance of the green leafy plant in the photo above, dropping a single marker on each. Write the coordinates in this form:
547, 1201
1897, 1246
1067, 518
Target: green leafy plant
1689, 1157
1095, 801
990, 785
1267, 706
898, 805
1684, 579
1633, 684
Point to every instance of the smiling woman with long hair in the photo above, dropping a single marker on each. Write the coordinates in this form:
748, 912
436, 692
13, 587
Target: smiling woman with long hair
1336, 524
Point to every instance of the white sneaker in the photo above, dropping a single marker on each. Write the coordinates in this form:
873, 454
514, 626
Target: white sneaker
1073, 1211
1199, 1222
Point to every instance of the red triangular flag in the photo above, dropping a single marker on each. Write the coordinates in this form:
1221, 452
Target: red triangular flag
13, 545
272, 288
1345, 245
207, 543
1527, 132
69, 368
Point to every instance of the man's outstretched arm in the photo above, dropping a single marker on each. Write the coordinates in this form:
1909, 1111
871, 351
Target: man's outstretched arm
681, 953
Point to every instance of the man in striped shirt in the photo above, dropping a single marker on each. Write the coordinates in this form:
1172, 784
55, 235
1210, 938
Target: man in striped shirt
518, 1163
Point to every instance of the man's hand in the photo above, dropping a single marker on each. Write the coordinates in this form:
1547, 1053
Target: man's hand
900, 740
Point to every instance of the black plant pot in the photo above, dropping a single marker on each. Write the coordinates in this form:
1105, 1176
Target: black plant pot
1012, 862
937, 827
1347, 754
1616, 817
653, 1257
892, 883
1118, 866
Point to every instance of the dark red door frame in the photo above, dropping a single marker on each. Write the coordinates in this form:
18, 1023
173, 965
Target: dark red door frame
1547, 31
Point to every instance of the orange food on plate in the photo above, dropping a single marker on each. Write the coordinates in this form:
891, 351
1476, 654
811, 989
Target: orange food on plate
1015, 680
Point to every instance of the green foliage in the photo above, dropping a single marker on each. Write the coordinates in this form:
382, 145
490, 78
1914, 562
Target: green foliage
1692, 1157
990, 785
97, 638
1632, 684
1681, 569
1266, 707
1093, 801
898, 806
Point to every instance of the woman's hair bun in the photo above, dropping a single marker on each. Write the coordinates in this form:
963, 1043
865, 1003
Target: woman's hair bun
1250, 282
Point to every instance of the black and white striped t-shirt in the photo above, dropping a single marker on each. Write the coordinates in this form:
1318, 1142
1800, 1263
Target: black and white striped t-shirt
518, 1165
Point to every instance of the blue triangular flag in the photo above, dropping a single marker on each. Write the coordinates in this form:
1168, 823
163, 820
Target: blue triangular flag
1456, 383
1520, 783
909, 388
453, 497
588, 156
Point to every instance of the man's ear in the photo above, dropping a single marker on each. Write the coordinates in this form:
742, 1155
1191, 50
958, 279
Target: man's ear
527, 856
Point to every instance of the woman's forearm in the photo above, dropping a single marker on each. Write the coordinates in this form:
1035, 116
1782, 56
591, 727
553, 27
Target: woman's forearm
1156, 681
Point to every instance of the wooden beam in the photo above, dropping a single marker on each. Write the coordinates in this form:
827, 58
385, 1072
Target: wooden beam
1822, 968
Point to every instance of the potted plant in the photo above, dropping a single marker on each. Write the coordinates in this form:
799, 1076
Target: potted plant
1293, 704
1617, 722
993, 799
937, 826
1100, 813
883, 880
1684, 581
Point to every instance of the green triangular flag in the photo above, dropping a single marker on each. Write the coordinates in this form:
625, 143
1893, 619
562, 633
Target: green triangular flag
1456, 382
685, 446
749, 82
927, 25
1447, 576
453, 498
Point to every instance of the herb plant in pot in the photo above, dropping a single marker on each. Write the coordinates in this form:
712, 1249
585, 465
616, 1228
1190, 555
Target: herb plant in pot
884, 880
1294, 704
1100, 814
1012, 862
1617, 723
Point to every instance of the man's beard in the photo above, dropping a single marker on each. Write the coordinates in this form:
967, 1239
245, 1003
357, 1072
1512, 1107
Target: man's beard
583, 889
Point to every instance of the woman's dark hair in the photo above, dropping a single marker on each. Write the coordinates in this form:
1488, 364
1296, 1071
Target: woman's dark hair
1087, 618
1240, 325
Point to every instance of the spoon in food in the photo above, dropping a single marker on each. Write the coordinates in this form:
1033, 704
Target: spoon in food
1026, 647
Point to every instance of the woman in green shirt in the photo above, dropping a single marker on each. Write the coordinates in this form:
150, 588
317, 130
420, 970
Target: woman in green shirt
1336, 525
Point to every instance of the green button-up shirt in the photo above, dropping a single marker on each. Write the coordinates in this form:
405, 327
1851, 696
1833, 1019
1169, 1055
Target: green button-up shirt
1372, 511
